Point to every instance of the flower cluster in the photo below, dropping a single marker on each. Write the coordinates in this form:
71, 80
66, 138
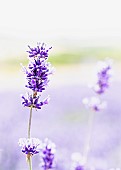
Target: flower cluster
41, 52
104, 75
34, 101
47, 155
30, 146
37, 75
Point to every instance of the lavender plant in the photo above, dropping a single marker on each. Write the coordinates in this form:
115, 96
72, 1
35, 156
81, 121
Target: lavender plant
47, 155
104, 75
37, 75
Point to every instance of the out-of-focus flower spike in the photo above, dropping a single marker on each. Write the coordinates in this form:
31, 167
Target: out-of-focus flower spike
47, 154
37, 75
104, 75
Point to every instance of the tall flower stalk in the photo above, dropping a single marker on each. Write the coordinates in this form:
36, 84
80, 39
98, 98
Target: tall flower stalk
104, 74
37, 76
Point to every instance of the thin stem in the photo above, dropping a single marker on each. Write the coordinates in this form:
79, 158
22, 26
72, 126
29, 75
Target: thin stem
29, 125
89, 136
30, 162
29, 159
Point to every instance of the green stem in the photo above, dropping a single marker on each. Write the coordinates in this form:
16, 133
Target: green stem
89, 137
29, 125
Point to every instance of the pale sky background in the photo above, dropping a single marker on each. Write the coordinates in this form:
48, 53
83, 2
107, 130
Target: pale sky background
59, 22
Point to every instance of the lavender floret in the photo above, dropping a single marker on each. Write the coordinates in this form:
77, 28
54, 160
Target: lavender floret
30, 146
34, 101
39, 51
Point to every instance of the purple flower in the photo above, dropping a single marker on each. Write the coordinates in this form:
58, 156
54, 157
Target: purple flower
37, 75
103, 76
33, 101
30, 146
39, 51
47, 155
94, 103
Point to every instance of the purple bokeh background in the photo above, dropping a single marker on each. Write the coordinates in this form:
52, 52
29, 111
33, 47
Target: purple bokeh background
64, 121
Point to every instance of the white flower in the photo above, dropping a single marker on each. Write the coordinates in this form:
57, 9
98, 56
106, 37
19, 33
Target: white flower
30, 145
94, 103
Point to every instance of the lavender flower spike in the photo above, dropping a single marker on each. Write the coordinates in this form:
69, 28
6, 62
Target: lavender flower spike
103, 76
47, 155
37, 75
30, 146
38, 71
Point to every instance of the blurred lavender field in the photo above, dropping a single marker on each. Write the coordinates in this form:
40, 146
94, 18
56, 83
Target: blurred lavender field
81, 33
63, 120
